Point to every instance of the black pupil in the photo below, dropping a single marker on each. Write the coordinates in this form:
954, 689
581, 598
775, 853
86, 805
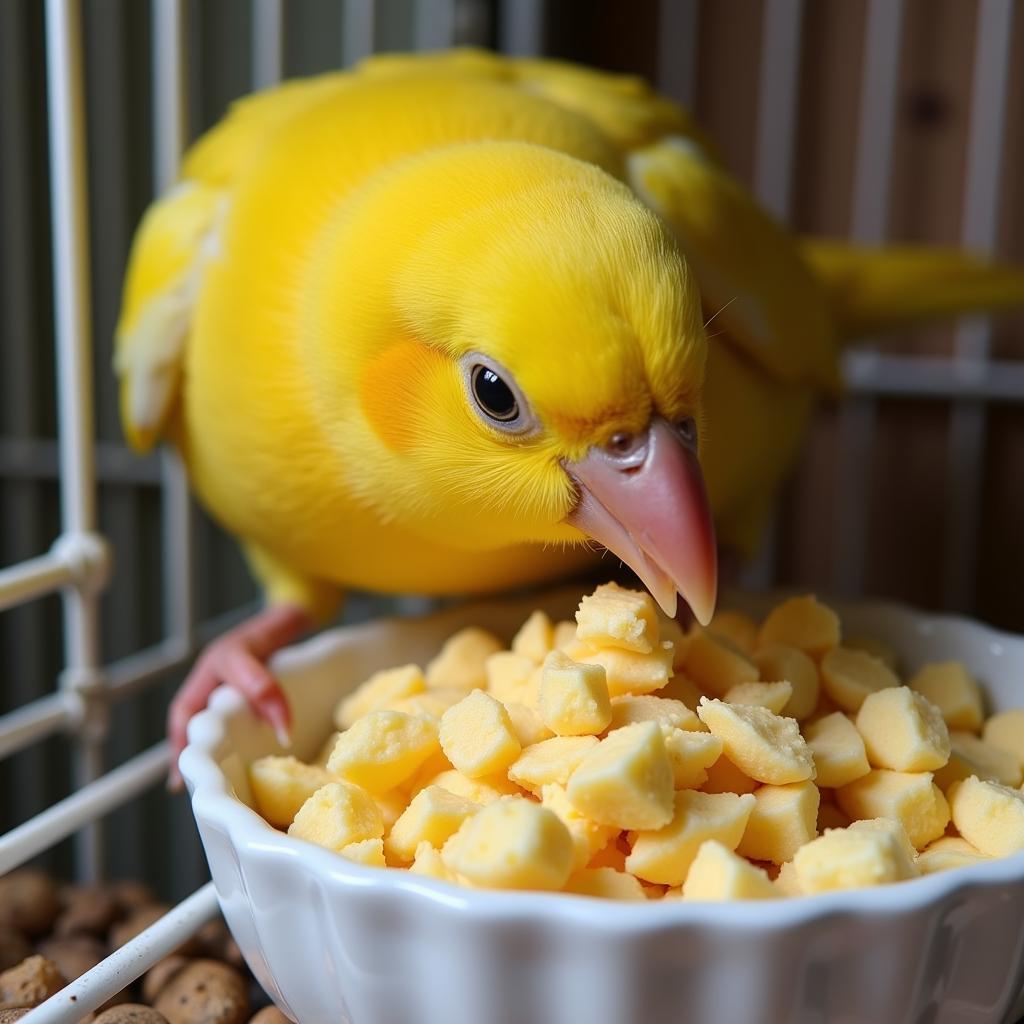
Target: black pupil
494, 395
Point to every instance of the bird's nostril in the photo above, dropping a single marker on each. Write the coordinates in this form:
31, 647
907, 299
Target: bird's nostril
626, 451
621, 443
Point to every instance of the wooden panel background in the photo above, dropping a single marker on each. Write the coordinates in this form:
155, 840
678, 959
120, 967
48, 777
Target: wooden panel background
909, 474
909, 477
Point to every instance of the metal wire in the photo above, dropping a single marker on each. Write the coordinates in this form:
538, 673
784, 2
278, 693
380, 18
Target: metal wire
131, 961
65, 88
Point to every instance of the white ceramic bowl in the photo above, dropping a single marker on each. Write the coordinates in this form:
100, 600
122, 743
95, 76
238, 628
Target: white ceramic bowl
333, 941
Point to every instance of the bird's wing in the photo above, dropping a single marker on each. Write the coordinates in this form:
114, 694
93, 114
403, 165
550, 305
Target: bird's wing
234, 142
757, 290
880, 288
625, 108
178, 236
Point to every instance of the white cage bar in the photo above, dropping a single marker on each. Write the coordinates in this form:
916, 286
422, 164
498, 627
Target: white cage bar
76, 564
82, 677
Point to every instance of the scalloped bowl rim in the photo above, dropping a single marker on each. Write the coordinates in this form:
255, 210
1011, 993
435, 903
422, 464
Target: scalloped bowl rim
213, 800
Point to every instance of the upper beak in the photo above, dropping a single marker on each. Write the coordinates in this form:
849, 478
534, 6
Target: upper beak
643, 498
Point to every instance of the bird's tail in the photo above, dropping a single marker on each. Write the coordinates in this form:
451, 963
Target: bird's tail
882, 288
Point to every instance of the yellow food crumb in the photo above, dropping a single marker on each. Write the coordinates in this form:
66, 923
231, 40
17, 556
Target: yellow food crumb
383, 749
1006, 731
606, 883
647, 708
903, 730
379, 690
715, 665
462, 660
739, 629
281, 785
336, 815
985, 759
535, 638
850, 859
432, 816
476, 735
761, 744
627, 672
624, 757
719, 874
781, 661
782, 820
511, 844
725, 777
615, 617
550, 761
367, 851
773, 696
801, 622
627, 780
952, 689
573, 699
989, 816
848, 676
837, 749
664, 855
910, 798
691, 755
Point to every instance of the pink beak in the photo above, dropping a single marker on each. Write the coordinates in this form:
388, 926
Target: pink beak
643, 498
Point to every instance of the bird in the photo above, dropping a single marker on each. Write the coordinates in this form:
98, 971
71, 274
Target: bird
453, 323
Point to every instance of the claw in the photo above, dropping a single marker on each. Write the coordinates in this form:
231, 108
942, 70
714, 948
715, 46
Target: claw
238, 659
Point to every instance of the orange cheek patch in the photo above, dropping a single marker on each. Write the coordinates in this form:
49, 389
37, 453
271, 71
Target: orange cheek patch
394, 389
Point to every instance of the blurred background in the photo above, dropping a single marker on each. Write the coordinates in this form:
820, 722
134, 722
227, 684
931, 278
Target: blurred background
876, 119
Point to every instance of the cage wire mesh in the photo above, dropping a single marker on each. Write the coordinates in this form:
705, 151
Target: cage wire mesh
876, 119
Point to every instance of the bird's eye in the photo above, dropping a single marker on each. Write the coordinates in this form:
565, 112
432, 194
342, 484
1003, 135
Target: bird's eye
493, 395
492, 392
687, 430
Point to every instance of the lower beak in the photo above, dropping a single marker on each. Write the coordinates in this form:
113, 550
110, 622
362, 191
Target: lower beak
644, 500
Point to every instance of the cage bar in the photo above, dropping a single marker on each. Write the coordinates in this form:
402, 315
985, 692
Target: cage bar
83, 808
267, 43
933, 377
776, 136
137, 671
170, 104
358, 26
131, 961
777, 106
32, 722
972, 342
678, 23
34, 578
68, 187
521, 27
433, 24
857, 420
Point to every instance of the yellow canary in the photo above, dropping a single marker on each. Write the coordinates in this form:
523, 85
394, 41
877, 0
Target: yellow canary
429, 325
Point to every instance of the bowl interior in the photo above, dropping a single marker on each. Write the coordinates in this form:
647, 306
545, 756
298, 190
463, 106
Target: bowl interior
317, 673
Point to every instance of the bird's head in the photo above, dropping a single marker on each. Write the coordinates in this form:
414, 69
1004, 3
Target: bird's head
528, 353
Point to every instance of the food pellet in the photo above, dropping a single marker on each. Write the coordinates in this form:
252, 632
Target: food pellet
623, 757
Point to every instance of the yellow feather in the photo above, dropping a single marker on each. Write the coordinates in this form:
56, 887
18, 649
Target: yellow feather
297, 313
883, 288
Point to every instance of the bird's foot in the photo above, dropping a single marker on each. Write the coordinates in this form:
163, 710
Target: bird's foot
239, 660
